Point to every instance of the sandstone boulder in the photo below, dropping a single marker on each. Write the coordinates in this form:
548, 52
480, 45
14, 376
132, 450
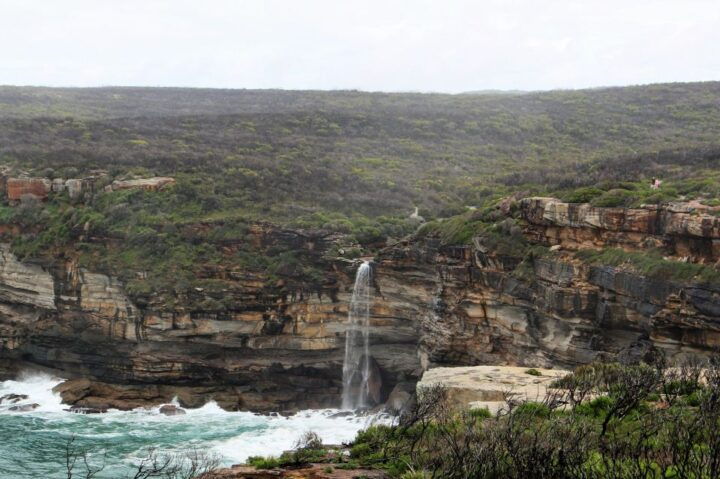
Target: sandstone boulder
149, 184
85, 393
39, 188
171, 410
308, 471
58, 185
74, 188
86, 410
489, 386
400, 397
24, 407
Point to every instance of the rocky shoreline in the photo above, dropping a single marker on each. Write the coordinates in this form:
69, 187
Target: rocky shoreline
281, 346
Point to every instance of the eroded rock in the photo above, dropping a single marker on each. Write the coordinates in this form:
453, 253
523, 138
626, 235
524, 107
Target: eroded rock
171, 410
13, 398
489, 386
86, 410
148, 184
17, 188
24, 407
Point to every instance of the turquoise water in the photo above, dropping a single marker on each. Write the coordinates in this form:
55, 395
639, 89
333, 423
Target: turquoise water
32, 444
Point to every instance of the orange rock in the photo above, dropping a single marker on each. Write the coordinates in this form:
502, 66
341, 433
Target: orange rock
37, 187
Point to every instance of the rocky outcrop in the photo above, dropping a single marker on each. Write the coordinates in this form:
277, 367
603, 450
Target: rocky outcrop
478, 304
23, 283
306, 471
687, 230
171, 410
24, 407
490, 386
148, 184
17, 188
39, 188
279, 344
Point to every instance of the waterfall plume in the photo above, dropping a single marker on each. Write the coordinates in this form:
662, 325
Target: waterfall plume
356, 367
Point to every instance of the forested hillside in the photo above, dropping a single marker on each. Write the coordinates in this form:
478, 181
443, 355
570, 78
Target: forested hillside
285, 155
351, 162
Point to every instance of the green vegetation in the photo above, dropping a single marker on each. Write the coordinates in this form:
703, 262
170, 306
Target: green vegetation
480, 413
456, 230
533, 372
259, 462
308, 449
689, 184
610, 420
652, 264
349, 162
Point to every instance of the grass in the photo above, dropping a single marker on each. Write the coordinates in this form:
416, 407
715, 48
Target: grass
651, 264
457, 230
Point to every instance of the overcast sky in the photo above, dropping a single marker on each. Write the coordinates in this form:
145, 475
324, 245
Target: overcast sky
408, 45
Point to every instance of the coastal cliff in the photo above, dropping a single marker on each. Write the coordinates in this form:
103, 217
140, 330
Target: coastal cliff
482, 304
278, 343
279, 346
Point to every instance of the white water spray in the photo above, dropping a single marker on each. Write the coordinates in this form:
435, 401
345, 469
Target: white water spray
356, 368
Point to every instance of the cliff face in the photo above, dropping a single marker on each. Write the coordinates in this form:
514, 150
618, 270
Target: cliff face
687, 230
477, 306
281, 343
281, 346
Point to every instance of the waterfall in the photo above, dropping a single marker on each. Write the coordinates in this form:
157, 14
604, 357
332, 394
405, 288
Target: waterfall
356, 368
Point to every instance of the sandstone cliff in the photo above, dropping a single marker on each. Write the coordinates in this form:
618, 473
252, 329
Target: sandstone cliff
280, 343
478, 305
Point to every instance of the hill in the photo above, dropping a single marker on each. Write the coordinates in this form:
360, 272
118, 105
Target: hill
285, 154
345, 161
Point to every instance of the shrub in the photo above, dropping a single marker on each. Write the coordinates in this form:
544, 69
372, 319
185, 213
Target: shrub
360, 450
309, 440
596, 408
652, 264
480, 413
259, 462
614, 198
533, 409
582, 195
415, 475
533, 372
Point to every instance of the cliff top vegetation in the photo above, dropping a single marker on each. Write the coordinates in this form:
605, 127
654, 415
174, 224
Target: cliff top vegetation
351, 162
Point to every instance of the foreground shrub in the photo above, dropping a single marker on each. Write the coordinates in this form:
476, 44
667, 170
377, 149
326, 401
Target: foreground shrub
610, 420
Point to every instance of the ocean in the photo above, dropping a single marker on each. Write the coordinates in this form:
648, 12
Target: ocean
33, 444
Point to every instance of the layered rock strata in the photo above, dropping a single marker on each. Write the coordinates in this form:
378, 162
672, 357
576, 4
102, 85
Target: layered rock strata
476, 305
492, 387
279, 345
688, 230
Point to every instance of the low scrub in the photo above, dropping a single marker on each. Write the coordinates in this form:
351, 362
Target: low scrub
652, 264
605, 420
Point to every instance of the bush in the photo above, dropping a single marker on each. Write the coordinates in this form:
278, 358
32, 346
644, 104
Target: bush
652, 264
533, 409
596, 408
614, 198
582, 195
259, 462
480, 413
360, 450
533, 372
309, 440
